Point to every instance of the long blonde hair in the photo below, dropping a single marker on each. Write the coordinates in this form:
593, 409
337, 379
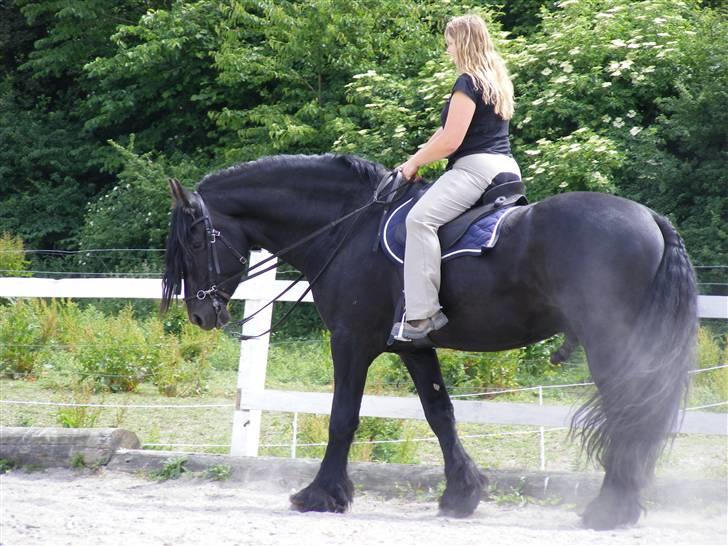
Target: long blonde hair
475, 55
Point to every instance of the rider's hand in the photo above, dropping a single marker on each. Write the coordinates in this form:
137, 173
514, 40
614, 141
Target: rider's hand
409, 170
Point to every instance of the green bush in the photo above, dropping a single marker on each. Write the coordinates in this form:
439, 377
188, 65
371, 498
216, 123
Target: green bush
115, 352
480, 370
376, 429
314, 429
21, 337
581, 161
303, 363
135, 212
57, 367
711, 386
183, 362
12, 256
225, 354
80, 416
65, 345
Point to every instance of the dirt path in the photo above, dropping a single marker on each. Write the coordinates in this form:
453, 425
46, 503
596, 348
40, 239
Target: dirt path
60, 507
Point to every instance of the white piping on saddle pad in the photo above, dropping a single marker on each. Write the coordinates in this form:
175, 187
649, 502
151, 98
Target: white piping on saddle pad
489, 244
475, 251
386, 227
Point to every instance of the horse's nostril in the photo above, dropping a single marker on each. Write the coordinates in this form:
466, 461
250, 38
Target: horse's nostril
196, 319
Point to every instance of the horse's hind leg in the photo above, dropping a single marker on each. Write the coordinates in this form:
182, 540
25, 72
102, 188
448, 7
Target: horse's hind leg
563, 353
626, 434
465, 483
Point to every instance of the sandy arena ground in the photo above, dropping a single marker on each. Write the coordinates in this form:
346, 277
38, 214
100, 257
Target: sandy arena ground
59, 507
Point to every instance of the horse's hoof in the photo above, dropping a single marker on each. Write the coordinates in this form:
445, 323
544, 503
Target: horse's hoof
315, 498
608, 512
557, 357
461, 498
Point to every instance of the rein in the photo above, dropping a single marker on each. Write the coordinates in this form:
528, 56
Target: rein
213, 262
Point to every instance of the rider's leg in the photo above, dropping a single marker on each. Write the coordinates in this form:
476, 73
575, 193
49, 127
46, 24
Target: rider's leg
451, 195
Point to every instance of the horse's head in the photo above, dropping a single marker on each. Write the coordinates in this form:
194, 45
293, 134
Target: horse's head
195, 260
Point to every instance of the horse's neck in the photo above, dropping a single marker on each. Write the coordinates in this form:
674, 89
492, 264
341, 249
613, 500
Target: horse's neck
279, 209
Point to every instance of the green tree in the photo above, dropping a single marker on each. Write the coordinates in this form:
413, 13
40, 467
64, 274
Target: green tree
293, 61
50, 165
159, 80
135, 212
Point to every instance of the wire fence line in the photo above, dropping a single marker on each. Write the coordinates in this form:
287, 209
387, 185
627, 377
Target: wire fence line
79, 251
99, 252
541, 431
144, 274
230, 405
117, 250
158, 274
375, 442
190, 406
114, 406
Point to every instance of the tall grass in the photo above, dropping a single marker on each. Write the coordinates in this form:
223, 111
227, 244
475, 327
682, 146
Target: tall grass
65, 345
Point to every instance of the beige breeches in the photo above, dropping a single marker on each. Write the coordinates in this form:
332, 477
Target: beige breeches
451, 195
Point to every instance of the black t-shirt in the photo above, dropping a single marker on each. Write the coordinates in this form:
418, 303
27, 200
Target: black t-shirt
487, 133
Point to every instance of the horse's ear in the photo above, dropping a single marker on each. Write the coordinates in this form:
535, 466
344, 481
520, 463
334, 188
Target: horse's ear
181, 196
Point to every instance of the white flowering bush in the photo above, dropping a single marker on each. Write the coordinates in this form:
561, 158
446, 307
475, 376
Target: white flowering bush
629, 97
580, 161
599, 65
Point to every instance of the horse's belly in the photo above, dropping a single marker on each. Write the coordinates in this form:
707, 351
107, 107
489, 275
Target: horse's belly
490, 309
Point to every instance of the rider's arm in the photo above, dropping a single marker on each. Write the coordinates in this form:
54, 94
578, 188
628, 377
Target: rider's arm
435, 135
444, 143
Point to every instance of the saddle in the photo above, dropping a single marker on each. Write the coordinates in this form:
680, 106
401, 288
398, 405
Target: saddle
471, 233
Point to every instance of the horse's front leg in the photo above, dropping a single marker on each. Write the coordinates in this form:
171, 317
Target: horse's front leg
332, 490
465, 482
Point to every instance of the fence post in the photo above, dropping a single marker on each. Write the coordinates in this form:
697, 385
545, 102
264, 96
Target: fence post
294, 435
542, 443
251, 370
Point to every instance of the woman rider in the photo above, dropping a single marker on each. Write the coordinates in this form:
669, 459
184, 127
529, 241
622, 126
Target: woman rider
474, 137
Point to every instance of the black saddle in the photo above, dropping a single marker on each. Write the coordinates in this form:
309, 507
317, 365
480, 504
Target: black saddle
507, 190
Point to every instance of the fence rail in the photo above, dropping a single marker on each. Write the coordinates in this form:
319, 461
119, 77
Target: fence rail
467, 411
253, 398
715, 307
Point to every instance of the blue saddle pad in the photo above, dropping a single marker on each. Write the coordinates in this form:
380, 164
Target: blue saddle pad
479, 237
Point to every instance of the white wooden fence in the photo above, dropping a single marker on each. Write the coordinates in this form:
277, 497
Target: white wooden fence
253, 397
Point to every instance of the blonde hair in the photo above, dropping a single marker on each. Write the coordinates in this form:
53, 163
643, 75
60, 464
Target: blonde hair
476, 56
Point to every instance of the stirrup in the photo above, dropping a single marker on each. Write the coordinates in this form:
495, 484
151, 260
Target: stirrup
402, 331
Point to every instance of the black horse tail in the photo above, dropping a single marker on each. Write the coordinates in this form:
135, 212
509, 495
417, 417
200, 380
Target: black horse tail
624, 426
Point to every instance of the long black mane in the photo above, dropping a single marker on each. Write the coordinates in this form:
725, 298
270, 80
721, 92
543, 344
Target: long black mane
176, 250
362, 170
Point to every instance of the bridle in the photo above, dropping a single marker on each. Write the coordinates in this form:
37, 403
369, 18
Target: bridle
213, 261
219, 297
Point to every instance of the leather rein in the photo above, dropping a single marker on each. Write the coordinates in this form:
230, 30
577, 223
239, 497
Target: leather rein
219, 297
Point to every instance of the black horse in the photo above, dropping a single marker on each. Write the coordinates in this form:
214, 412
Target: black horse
609, 273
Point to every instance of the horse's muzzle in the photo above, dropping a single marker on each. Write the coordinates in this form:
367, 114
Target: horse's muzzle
208, 314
